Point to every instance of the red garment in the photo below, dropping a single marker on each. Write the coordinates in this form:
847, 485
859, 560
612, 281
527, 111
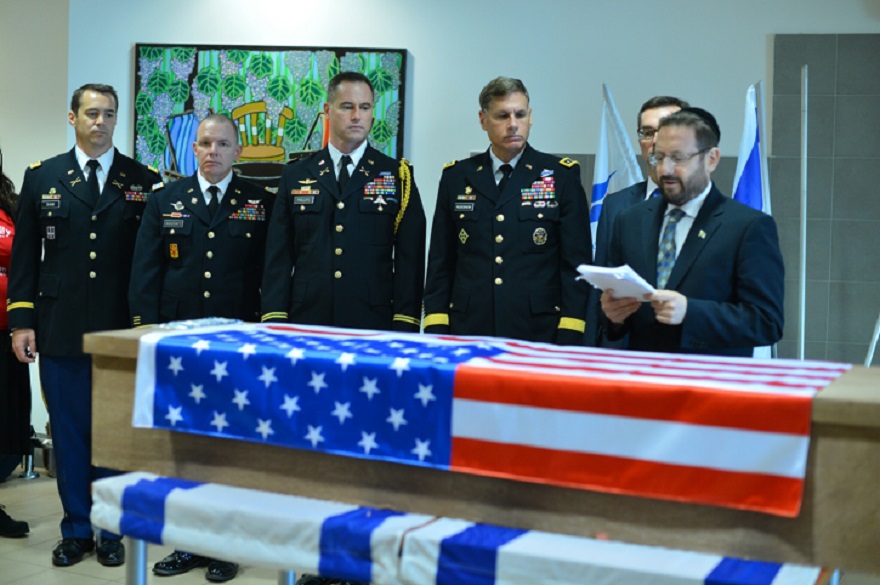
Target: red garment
7, 231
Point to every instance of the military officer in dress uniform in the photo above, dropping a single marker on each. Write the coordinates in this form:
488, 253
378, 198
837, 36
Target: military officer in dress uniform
346, 242
510, 228
200, 247
71, 260
199, 253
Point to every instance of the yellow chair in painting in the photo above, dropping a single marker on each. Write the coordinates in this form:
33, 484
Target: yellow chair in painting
257, 145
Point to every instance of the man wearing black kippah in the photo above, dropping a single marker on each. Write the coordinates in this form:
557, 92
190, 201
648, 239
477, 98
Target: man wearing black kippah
715, 263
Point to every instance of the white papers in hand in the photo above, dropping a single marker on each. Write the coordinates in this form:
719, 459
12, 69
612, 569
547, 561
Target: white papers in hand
623, 279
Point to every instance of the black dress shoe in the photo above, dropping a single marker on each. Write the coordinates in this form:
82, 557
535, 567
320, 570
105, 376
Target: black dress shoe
12, 528
70, 551
111, 553
179, 562
219, 571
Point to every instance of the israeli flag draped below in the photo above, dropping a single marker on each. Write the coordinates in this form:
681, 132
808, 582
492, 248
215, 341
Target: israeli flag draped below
386, 547
616, 167
749, 186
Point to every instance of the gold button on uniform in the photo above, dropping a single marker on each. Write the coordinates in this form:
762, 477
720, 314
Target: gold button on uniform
540, 216
338, 251
499, 281
211, 235
93, 236
172, 231
500, 217
340, 205
339, 228
337, 274
93, 274
92, 255
209, 254
207, 275
207, 295
499, 260
247, 235
94, 218
499, 238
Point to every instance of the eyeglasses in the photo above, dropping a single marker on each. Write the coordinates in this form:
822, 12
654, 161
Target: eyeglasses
646, 133
657, 159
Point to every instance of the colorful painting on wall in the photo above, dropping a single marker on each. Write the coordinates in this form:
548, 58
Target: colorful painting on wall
275, 95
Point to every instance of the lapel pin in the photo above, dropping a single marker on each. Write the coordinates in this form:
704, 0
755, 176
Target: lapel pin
702, 235
75, 181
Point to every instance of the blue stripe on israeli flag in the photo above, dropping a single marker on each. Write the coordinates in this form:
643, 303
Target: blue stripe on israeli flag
470, 556
741, 572
346, 551
143, 507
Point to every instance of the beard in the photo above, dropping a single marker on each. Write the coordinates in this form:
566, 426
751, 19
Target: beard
678, 192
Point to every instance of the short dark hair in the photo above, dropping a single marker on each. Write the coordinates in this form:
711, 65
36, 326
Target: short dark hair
351, 77
501, 87
222, 118
704, 124
659, 101
97, 87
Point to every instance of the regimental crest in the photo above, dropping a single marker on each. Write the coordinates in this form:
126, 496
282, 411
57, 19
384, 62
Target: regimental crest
539, 236
463, 236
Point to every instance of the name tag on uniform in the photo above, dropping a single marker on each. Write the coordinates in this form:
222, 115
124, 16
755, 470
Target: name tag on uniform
304, 200
464, 206
172, 223
51, 204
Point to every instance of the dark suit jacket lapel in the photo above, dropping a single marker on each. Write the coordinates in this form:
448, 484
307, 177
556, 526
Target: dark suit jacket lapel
74, 182
482, 179
193, 200
705, 224
115, 186
232, 201
650, 224
321, 168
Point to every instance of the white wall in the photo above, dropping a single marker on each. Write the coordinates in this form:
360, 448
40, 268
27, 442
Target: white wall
33, 100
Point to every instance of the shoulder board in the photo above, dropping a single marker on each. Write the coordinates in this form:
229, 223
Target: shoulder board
270, 191
154, 169
157, 186
568, 162
404, 161
449, 164
36, 165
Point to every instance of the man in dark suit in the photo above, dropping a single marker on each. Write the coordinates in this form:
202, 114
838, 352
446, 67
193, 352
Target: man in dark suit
191, 261
510, 228
199, 254
71, 260
346, 243
715, 262
650, 114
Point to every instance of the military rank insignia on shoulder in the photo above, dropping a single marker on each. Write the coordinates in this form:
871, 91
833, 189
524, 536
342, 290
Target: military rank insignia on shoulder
568, 162
449, 164
154, 169
35, 165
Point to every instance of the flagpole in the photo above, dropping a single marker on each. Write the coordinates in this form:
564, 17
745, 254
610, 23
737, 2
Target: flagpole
802, 277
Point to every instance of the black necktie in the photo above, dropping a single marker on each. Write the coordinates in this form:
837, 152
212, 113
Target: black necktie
92, 181
343, 173
214, 201
506, 169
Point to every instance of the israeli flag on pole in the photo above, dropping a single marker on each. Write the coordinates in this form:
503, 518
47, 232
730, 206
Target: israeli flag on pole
750, 184
616, 167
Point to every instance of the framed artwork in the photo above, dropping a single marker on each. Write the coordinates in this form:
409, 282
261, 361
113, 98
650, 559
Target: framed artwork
275, 95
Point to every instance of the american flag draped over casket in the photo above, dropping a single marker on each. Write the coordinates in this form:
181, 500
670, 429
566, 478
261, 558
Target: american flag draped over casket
722, 431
